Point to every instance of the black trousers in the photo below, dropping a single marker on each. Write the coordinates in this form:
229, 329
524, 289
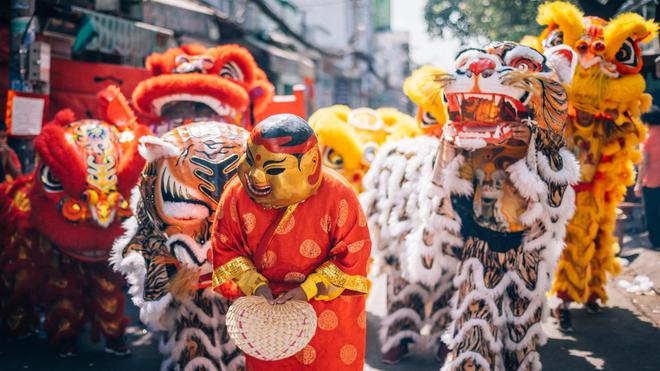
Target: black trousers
652, 212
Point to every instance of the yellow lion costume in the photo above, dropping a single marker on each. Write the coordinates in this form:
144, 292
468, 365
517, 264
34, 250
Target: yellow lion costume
349, 138
424, 88
606, 99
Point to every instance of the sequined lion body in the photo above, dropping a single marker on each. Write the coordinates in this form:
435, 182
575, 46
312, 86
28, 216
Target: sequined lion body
606, 99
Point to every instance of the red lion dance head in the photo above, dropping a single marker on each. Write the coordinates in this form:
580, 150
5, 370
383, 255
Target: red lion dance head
85, 172
194, 82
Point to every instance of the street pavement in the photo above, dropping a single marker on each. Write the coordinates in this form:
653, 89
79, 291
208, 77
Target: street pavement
626, 336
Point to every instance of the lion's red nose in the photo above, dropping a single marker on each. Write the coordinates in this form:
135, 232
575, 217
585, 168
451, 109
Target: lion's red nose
480, 65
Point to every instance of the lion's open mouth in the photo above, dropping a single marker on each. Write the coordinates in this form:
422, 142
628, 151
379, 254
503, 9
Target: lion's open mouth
483, 117
485, 109
179, 201
91, 256
188, 105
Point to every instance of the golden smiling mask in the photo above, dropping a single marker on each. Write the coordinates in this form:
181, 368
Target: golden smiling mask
281, 165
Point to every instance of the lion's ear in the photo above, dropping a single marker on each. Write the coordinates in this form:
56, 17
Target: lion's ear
153, 148
625, 26
563, 60
564, 16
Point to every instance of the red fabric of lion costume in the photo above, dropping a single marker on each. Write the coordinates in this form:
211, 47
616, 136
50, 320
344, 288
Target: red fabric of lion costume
222, 83
60, 222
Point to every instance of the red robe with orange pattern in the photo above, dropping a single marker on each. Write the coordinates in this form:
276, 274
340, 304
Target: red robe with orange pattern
326, 235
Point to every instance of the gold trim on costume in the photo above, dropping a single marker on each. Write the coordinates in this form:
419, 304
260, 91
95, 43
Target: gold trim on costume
231, 270
338, 278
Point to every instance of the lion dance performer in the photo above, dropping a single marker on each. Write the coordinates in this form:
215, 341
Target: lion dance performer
208, 94
349, 139
59, 225
496, 201
392, 202
606, 99
286, 226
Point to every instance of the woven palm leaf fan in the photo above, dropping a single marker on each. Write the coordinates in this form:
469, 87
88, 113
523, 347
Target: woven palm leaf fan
270, 331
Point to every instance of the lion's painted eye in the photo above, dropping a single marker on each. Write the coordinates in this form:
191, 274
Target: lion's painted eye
525, 64
332, 159
181, 58
626, 53
428, 119
554, 38
628, 58
231, 71
50, 182
369, 152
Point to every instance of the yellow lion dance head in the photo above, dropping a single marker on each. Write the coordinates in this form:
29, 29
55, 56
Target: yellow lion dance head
424, 88
349, 138
607, 79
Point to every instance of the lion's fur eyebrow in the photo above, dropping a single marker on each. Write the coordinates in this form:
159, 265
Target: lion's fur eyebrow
548, 97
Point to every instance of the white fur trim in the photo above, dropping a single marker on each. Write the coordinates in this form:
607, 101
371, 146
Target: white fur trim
535, 331
569, 173
396, 339
529, 184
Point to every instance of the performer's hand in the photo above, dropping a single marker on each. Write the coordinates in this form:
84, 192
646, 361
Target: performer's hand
266, 292
296, 294
638, 190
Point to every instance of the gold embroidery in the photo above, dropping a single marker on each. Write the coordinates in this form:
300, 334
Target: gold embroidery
343, 213
310, 249
362, 320
327, 320
307, 355
325, 223
268, 260
21, 201
348, 354
362, 219
249, 222
294, 277
231, 270
356, 246
338, 278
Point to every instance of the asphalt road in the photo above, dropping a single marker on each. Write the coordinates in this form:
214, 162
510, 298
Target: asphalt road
626, 336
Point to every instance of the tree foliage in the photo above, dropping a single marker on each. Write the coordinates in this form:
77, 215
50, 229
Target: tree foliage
498, 19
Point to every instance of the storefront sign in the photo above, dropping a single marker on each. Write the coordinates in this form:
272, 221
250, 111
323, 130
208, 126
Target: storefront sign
25, 113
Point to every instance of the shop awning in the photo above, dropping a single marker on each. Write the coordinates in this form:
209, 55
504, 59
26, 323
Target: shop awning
114, 35
284, 61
